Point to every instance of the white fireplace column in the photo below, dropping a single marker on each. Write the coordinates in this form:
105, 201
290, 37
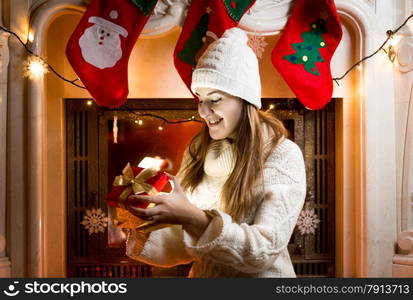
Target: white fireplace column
403, 260
4, 61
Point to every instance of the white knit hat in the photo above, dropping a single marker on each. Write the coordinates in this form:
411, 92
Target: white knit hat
231, 66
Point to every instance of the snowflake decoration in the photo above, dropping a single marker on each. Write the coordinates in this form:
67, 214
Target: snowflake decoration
95, 220
307, 221
257, 44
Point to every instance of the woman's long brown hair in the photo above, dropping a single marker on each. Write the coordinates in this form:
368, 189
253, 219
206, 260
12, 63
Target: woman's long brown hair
238, 193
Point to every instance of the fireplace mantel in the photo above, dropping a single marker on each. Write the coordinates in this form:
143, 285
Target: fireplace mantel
367, 167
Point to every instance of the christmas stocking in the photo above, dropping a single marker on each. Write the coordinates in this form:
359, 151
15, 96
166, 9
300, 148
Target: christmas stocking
100, 46
303, 53
206, 21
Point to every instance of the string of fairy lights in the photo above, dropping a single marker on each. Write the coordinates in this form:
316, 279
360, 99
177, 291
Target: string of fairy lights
36, 66
391, 53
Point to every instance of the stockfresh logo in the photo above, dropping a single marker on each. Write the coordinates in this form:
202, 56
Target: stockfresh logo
12, 290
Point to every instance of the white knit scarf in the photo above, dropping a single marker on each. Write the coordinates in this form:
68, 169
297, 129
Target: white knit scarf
220, 158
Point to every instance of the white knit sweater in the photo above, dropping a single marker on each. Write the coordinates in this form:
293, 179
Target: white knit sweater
256, 247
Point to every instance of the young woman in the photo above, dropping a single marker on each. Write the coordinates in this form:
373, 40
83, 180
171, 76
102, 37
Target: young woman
241, 185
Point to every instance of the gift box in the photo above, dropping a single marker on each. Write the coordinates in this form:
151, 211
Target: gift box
138, 181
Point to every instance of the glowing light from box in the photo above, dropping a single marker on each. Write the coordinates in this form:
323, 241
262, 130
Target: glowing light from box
153, 162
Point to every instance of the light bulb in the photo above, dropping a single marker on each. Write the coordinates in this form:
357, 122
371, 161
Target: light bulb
35, 67
394, 40
89, 102
30, 37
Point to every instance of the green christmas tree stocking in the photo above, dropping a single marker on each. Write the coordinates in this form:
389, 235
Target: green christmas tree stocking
303, 53
206, 21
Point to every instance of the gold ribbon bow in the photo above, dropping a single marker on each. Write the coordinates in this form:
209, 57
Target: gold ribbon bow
135, 184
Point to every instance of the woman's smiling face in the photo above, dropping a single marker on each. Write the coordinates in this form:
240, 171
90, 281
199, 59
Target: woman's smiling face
221, 112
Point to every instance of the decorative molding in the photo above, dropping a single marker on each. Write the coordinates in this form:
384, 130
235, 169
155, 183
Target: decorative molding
167, 15
372, 3
405, 54
266, 17
5, 267
166, 7
40, 20
406, 213
403, 259
36, 4
4, 57
405, 242
2, 243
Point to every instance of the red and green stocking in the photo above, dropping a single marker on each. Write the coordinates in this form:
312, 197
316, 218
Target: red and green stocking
100, 46
206, 21
303, 53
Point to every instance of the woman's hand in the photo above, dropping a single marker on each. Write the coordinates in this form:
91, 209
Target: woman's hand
174, 208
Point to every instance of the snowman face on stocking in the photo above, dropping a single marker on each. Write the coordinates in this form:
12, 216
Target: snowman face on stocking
100, 44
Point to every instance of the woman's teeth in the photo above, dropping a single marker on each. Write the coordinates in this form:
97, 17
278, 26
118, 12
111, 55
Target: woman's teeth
215, 122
